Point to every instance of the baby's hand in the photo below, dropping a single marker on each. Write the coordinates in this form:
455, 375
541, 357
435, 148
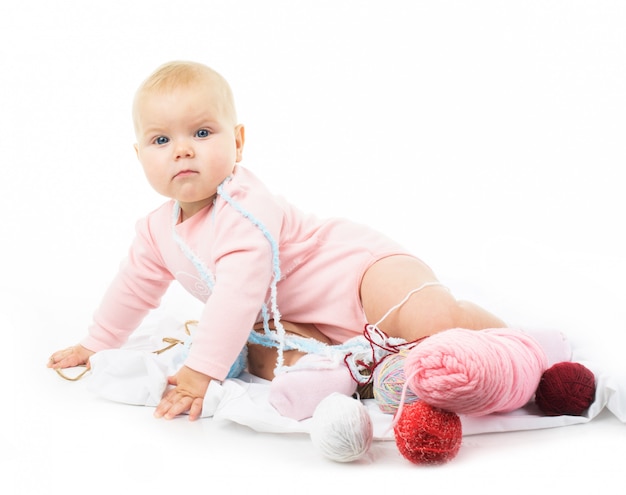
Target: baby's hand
72, 356
188, 395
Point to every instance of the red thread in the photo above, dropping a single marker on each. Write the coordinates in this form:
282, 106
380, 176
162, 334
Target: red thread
428, 435
389, 348
566, 389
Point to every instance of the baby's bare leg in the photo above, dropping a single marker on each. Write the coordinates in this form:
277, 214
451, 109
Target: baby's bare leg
428, 311
466, 372
262, 359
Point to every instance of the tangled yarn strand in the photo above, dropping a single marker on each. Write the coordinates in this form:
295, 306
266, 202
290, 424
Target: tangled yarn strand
380, 344
406, 298
280, 330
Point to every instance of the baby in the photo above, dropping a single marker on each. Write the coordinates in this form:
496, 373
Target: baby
257, 262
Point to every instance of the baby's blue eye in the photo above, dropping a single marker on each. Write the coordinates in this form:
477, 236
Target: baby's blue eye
202, 133
161, 140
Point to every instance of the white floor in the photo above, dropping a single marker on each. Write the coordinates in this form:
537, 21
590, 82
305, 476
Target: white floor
58, 437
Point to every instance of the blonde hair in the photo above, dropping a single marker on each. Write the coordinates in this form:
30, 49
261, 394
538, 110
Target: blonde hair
184, 74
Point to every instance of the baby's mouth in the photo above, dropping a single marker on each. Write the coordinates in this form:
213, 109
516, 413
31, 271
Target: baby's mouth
185, 173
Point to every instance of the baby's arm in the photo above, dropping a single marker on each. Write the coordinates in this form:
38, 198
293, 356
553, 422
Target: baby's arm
72, 356
137, 288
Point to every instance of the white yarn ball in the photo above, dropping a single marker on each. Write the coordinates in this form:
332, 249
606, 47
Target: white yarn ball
341, 428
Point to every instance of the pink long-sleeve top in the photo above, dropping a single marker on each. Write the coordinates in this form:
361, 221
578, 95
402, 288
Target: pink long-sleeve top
225, 256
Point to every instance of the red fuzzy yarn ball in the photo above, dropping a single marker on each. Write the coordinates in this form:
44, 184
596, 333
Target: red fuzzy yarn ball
566, 389
426, 434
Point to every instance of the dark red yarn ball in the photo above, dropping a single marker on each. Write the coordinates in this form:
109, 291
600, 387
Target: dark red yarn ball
566, 389
427, 435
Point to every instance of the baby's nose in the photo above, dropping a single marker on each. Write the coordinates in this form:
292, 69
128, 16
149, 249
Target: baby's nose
184, 150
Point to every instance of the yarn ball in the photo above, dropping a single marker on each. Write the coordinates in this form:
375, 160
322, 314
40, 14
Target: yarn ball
388, 382
427, 435
341, 428
476, 372
566, 389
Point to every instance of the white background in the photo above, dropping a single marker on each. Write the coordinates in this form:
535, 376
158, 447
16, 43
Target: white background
487, 136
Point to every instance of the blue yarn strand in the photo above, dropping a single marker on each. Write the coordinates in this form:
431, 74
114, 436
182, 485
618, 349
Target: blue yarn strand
208, 278
200, 267
280, 330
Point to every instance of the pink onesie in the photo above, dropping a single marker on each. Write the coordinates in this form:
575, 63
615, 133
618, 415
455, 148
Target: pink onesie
226, 255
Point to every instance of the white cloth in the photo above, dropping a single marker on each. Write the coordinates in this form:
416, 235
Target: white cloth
139, 377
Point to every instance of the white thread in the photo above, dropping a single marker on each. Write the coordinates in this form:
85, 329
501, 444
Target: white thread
406, 298
341, 428
384, 345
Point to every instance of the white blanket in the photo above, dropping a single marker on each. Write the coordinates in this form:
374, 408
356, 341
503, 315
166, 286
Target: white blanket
135, 375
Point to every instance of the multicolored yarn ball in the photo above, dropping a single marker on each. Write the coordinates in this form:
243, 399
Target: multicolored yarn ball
566, 389
388, 382
427, 435
341, 428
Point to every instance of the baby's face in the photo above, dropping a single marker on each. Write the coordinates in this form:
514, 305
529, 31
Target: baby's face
187, 143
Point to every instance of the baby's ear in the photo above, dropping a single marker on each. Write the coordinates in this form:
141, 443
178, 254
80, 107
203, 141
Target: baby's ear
136, 149
240, 138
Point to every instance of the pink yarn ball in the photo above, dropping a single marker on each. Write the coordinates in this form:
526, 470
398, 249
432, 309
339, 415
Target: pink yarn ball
475, 372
